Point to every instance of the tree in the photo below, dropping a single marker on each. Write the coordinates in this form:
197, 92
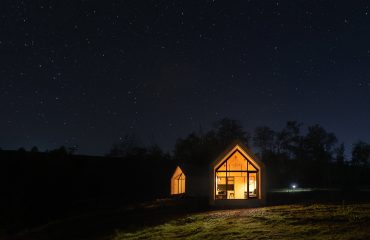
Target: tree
201, 148
189, 148
339, 158
289, 140
228, 130
59, 152
360, 153
263, 138
34, 149
319, 144
315, 152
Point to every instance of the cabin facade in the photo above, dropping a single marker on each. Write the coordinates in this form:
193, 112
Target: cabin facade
235, 178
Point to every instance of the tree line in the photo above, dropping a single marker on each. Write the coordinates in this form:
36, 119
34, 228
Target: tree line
37, 187
309, 156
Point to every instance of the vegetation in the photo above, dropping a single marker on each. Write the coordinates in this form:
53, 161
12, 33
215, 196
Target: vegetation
294, 153
361, 154
318, 221
39, 187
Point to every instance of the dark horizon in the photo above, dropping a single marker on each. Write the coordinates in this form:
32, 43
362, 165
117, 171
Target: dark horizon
86, 73
140, 143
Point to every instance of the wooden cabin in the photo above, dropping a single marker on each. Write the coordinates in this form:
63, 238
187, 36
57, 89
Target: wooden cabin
235, 178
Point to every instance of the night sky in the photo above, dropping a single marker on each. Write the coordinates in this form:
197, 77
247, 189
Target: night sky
88, 72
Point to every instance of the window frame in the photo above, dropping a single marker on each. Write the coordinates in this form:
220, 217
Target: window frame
246, 171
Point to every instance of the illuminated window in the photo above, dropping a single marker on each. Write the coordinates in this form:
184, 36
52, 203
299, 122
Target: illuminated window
178, 182
236, 178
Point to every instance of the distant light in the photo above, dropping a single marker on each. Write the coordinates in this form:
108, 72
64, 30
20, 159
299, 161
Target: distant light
294, 186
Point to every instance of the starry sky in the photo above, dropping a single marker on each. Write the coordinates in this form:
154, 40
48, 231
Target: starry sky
86, 73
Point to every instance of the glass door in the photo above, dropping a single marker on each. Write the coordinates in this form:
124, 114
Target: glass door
252, 185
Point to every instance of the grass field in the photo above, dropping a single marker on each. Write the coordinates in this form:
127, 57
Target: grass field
315, 221
298, 215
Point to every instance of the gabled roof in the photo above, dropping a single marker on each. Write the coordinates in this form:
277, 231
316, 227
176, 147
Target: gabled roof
194, 170
178, 168
238, 145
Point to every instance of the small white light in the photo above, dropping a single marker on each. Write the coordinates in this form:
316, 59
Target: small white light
294, 186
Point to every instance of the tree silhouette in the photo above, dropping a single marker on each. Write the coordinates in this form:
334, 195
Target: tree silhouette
34, 149
319, 144
360, 154
339, 158
263, 138
202, 148
228, 130
288, 141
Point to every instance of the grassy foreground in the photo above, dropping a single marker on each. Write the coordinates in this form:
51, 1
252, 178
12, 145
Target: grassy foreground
318, 221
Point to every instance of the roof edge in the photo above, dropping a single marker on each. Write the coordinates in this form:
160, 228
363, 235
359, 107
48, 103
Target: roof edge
244, 147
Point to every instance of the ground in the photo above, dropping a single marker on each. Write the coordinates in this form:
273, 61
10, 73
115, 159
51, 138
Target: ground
315, 221
289, 215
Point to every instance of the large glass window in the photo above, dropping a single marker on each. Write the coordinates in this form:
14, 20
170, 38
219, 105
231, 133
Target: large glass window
236, 178
178, 182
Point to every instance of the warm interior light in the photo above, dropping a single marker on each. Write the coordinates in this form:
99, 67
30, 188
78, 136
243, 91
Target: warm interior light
236, 178
178, 182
